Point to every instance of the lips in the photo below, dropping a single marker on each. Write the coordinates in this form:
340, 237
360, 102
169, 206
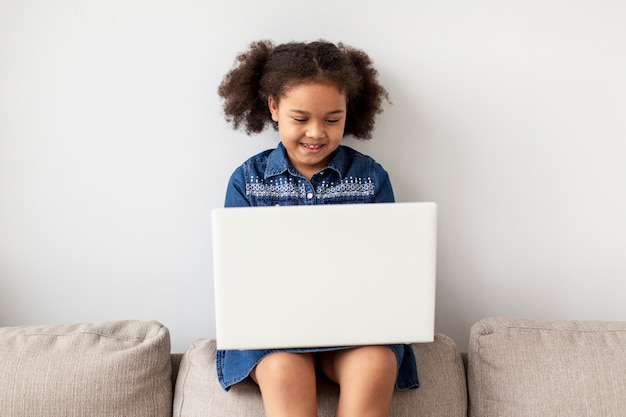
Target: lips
312, 148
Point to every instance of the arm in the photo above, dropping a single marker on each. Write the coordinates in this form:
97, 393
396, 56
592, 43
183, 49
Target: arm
236, 190
383, 192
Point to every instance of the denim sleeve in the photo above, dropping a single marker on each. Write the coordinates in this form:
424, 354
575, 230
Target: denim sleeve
384, 190
236, 190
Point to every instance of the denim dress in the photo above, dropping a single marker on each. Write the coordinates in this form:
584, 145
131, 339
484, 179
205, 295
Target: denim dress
268, 179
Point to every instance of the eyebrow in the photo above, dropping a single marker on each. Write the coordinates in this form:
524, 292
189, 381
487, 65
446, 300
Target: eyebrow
338, 111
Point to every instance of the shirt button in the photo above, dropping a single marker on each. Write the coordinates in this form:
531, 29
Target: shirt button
309, 196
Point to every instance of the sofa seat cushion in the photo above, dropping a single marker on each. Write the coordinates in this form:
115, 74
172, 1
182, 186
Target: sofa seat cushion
519, 368
111, 369
440, 366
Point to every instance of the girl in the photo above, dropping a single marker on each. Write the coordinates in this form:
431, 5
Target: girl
313, 94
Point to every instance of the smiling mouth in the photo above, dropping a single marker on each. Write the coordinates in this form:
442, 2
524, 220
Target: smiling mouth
309, 146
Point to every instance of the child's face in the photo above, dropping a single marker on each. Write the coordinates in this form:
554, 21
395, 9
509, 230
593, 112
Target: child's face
311, 120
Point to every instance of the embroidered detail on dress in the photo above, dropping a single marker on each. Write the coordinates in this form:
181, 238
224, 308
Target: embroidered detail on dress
280, 187
348, 187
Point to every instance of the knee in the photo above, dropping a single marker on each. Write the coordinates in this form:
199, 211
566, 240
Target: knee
284, 368
377, 360
365, 364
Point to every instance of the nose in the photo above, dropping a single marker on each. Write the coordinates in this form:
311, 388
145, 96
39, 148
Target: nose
316, 130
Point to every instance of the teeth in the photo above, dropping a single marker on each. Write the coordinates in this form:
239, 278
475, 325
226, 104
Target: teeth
312, 146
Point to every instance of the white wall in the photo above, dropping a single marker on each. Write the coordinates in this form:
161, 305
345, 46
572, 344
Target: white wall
511, 115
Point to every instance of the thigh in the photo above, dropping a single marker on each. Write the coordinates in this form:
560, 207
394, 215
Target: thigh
366, 377
360, 361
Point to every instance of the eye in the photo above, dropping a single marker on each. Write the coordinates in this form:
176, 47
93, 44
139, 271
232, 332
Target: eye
332, 121
299, 120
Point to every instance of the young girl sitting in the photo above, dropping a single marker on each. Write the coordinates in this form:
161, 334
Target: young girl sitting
313, 94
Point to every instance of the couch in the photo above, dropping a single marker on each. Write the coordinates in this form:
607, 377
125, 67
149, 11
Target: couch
513, 367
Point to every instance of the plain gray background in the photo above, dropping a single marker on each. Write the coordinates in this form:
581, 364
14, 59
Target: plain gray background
511, 115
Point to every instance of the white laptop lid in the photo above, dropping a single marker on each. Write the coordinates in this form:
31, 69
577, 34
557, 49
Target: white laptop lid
324, 275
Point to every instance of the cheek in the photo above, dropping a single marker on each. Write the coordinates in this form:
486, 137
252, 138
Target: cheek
338, 130
288, 130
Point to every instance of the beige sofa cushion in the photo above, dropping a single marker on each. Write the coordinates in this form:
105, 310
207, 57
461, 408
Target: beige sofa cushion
519, 368
442, 392
99, 370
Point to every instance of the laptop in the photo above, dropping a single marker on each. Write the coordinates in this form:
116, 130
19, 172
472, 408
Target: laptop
324, 275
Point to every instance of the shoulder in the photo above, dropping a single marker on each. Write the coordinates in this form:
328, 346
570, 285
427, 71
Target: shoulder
353, 159
256, 162
353, 154
260, 157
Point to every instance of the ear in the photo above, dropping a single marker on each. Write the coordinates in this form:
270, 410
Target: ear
273, 105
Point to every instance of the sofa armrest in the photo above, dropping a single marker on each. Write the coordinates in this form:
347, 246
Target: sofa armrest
118, 368
525, 368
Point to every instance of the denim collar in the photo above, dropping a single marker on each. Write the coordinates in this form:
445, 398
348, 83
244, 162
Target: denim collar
277, 162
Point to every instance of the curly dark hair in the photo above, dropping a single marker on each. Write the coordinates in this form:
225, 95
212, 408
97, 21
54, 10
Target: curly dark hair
266, 70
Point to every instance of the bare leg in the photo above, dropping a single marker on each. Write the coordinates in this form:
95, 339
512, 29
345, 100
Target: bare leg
287, 383
366, 377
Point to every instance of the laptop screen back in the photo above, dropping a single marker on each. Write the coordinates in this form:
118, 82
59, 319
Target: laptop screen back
324, 275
